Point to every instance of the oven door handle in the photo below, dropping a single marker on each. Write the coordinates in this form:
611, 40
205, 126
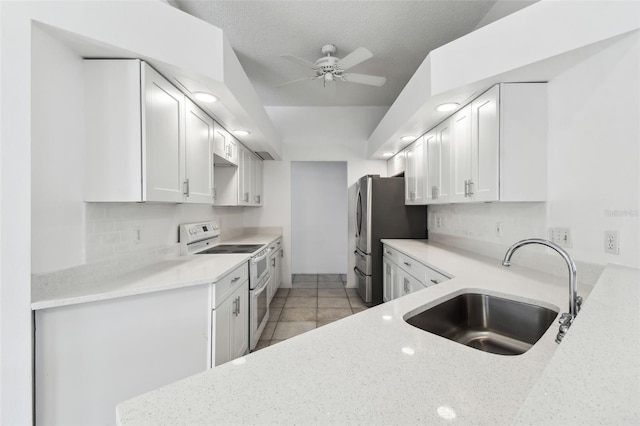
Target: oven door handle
259, 259
263, 288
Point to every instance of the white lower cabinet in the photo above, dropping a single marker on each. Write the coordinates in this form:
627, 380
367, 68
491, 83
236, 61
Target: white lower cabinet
275, 268
91, 356
230, 319
403, 274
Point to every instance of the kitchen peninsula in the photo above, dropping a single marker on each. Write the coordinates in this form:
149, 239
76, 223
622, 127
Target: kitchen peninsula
375, 368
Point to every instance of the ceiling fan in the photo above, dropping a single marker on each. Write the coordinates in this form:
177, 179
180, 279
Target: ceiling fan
330, 68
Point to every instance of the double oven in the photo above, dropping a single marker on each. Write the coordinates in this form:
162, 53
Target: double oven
202, 238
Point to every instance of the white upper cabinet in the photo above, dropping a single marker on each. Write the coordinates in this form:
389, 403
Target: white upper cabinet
396, 164
438, 143
245, 176
145, 141
460, 154
225, 147
498, 145
258, 166
414, 176
163, 138
199, 155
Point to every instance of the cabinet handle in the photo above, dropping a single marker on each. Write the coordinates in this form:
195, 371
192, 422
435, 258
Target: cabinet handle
273, 263
246, 197
215, 192
185, 188
466, 188
434, 193
407, 263
434, 281
470, 188
235, 307
258, 199
281, 253
235, 279
406, 285
238, 306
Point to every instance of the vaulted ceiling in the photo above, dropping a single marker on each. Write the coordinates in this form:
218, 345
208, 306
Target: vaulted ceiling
399, 33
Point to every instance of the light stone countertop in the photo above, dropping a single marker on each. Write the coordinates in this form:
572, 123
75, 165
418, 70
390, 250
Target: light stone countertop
167, 274
372, 367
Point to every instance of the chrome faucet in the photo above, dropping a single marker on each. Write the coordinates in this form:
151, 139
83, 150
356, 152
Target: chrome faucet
575, 301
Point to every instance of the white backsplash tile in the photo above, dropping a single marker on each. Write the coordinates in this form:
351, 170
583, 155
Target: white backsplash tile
110, 226
472, 227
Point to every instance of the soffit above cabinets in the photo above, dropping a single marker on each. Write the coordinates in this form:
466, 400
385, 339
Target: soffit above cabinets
193, 55
503, 51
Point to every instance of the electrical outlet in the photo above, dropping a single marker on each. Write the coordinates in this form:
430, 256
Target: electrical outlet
611, 242
438, 221
561, 236
137, 235
499, 229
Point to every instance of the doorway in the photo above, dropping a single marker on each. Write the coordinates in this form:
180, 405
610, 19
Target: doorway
319, 217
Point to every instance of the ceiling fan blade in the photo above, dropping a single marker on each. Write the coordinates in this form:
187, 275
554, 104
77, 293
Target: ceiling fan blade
295, 81
300, 61
371, 80
359, 55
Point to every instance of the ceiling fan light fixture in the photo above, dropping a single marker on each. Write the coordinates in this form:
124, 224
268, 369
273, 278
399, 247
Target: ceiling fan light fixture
205, 97
241, 132
446, 107
328, 76
408, 138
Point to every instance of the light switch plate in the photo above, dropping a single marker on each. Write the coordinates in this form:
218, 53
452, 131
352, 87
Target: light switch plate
561, 236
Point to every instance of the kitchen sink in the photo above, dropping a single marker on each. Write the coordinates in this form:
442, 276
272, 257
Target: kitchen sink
488, 323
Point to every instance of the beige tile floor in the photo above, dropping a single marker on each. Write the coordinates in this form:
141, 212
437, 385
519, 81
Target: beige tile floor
313, 301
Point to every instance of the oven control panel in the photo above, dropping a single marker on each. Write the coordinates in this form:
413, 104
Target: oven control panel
192, 232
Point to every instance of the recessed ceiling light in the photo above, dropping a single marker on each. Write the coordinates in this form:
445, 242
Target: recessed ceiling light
449, 106
205, 97
241, 132
387, 154
407, 138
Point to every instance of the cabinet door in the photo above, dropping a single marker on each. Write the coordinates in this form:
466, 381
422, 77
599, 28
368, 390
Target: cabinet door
432, 148
163, 139
388, 279
415, 173
485, 147
437, 145
240, 322
407, 284
223, 314
460, 154
396, 164
273, 265
245, 165
199, 155
257, 181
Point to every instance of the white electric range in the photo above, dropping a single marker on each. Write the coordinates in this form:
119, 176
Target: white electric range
203, 238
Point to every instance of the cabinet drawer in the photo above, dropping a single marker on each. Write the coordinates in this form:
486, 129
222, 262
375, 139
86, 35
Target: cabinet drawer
412, 266
390, 253
433, 277
275, 246
227, 284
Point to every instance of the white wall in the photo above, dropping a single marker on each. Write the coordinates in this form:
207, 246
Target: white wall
319, 217
57, 161
593, 165
316, 134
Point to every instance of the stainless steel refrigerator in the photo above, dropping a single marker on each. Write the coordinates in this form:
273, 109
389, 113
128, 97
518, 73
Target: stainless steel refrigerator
381, 213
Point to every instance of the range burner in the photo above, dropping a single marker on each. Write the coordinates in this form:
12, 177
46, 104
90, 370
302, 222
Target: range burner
231, 248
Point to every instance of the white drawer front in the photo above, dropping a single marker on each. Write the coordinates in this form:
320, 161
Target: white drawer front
390, 253
225, 287
413, 267
434, 277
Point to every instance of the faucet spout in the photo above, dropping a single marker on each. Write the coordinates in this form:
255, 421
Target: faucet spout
574, 300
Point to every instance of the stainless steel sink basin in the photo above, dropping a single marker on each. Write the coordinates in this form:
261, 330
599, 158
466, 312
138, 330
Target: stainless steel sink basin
488, 323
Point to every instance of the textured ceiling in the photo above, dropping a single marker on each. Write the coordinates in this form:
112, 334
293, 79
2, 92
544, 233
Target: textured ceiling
399, 33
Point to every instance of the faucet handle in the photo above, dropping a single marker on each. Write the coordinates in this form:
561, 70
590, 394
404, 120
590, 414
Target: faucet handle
565, 318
